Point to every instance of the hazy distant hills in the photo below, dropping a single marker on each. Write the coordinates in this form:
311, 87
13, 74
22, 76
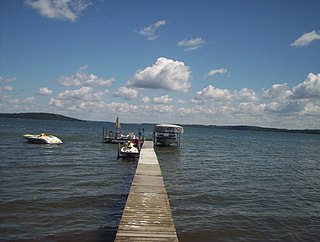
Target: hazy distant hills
41, 116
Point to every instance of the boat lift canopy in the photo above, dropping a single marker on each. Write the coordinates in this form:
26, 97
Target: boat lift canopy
168, 128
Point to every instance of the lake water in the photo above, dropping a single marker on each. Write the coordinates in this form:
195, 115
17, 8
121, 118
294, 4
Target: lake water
223, 185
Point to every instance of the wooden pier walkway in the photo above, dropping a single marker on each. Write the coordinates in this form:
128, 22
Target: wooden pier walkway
147, 215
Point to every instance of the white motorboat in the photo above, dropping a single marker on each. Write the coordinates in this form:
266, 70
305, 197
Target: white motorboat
167, 134
42, 139
129, 151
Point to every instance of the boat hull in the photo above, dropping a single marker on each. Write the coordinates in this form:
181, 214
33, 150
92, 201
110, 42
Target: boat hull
42, 139
129, 152
166, 141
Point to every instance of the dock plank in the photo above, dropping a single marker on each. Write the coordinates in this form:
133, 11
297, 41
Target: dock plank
147, 215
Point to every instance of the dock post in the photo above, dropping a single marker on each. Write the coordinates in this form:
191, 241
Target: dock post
118, 151
103, 134
147, 215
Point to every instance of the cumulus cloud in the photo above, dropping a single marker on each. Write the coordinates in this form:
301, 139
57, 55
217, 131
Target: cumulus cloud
180, 101
144, 99
45, 91
81, 99
306, 39
278, 92
191, 44
197, 109
59, 9
296, 100
250, 107
126, 93
23, 101
7, 88
216, 71
284, 107
3, 80
149, 32
84, 93
116, 107
81, 78
163, 108
312, 109
245, 94
274, 106
310, 88
162, 99
165, 74
213, 93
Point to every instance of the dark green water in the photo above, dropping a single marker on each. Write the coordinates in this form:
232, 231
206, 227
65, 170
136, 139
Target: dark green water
223, 185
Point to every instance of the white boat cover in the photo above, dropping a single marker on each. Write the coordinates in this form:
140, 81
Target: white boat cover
168, 128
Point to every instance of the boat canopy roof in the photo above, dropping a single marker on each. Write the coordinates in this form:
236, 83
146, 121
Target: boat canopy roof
168, 128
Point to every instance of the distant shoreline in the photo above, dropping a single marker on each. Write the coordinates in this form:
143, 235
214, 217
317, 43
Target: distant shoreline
39, 116
58, 117
257, 128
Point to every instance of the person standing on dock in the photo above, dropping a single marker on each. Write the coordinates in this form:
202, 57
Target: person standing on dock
137, 141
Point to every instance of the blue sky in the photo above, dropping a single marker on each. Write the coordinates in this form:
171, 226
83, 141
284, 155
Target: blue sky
202, 62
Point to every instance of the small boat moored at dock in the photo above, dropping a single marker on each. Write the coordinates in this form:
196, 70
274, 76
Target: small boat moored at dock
130, 150
42, 139
167, 134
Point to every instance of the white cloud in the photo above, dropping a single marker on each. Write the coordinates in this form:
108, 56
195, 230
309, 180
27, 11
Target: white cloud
250, 108
80, 78
150, 31
278, 92
312, 109
24, 101
213, 93
301, 99
162, 100
7, 88
306, 39
164, 74
273, 107
45, 91
82, 93
163, 108
245, 94
29, 100
116, 107
126, 93
191, 44
191, 111
81, 99
59, 9
284, 107
144, 99
310, 88
180, 101
217, 71
2, 80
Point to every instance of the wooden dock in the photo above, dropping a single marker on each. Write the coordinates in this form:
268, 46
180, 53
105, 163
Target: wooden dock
147, 215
